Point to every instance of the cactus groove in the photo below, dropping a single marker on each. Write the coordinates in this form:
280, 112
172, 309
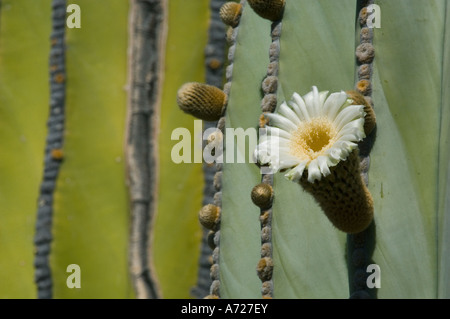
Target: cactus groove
55, 137
215, 52
360, 246
268, 104
215, 275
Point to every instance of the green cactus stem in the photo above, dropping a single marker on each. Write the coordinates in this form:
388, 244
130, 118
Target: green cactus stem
240, 233
269, 88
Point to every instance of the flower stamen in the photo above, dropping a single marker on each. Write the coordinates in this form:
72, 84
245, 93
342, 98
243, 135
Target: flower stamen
312, 138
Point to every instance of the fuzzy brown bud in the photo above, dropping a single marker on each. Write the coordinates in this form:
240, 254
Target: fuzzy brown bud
370, 118
262, 195
201, 100
209, 216
268, 9
230, 13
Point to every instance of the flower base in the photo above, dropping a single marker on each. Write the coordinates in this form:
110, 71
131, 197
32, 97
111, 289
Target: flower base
343, 196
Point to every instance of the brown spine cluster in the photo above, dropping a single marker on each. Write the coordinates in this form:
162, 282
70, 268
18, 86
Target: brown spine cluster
369, 118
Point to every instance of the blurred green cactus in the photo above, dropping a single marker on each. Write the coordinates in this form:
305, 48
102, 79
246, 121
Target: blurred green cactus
127, 214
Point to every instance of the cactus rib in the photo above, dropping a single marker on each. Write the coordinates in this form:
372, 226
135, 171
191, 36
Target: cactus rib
360, 246
214, 61
147, 36
269, 102
215, 273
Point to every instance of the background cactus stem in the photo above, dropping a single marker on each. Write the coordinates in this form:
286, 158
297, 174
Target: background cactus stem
360, 246
43, 235
215, 54
147, 36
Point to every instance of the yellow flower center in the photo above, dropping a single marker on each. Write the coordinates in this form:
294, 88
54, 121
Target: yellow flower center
312, 138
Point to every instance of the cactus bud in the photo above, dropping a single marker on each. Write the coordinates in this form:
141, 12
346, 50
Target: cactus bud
268, 9
201, 100
230, 13
369, 118
262, 195
209, 216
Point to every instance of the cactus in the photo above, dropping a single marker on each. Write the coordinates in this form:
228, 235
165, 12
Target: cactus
91, 200
297, 251
107, 195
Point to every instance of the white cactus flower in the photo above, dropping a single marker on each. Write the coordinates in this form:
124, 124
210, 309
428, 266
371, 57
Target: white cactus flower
311, 133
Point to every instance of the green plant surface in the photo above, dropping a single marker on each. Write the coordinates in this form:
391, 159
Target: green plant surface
91, 213
24, 93
302, 236
177, 233
404, 177
444, 171
309, 253
240, 239
408, 177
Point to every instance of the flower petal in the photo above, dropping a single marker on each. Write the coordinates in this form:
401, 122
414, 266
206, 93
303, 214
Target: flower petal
287, 112
333, 104
322, 98
309, 102
301, 110
316, 100
348, 114
288, 163
358, 123
335, 154
296, 173
275, 132
324, 164
281, 122
314, 171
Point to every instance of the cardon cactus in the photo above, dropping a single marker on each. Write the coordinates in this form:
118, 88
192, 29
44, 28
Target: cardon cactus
316, 165
278, 242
